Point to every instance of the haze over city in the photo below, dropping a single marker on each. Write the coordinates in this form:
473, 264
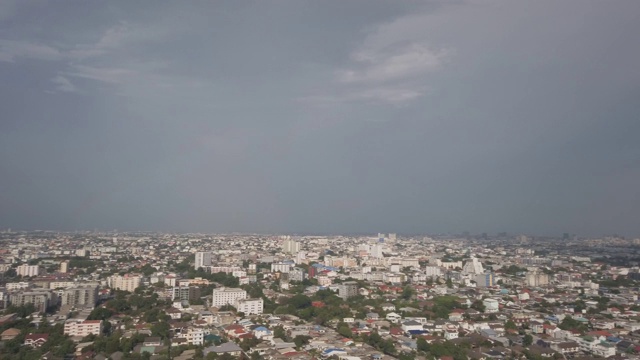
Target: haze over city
329, 117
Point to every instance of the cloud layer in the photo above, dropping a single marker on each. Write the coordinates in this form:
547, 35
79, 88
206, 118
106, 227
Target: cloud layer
321, 117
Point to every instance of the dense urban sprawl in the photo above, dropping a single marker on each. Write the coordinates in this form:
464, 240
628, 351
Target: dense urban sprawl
199, 296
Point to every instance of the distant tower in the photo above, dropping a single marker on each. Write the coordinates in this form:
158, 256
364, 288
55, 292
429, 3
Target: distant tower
290, 246
203, 259
473, 267
64, 266
115, 240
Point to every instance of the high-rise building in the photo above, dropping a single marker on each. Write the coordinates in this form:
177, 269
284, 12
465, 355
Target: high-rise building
227, 296
296, 274
64, 266
290, 246
183, 293
473, 267
537, 279
252, 269
283, 267
250, 306
347, 289
203, 259
432, 271
28, 270
484, 280
41, 299
125, 283
80, 296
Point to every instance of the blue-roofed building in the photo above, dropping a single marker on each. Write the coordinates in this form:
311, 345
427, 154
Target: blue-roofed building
333, 351
418, 332
552, 318
613, 339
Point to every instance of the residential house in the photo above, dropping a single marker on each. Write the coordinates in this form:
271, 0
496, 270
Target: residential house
35, 340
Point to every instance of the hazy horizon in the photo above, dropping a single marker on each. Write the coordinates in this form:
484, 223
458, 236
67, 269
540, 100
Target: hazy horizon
321, 117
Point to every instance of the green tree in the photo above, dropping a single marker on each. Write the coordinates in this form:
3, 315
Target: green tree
407, 292
301, 340
527, 340
510, 325
278, 332
161, 329
344, 330
422, 345
100, 313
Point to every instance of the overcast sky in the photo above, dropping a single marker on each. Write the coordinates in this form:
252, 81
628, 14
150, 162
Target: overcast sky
321, 116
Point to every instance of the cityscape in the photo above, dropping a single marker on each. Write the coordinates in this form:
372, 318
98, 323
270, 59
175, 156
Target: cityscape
319, 180
92, 295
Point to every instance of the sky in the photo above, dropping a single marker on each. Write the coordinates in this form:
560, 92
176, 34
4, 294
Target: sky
321, 116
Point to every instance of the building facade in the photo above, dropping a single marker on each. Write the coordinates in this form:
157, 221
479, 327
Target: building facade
227, 296
125, 283
28, 270
82, 328
250, 306
203, 259
81, 296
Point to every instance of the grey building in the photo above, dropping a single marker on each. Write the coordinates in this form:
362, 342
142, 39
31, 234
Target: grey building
80, 296
348, 289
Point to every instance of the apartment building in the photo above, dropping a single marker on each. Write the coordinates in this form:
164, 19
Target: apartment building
80, 296
41, 299
227, 296
28, 270
250, 306
82, 328
195, 336
125, 283
203, 259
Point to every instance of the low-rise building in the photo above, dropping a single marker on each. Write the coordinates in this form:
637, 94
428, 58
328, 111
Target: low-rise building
82, 328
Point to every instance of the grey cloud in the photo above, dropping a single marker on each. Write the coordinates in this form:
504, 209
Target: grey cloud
321, 116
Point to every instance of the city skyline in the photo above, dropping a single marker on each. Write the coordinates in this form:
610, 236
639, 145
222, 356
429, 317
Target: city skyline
321, 117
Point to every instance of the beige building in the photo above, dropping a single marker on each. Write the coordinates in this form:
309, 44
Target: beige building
82, 328
125, 283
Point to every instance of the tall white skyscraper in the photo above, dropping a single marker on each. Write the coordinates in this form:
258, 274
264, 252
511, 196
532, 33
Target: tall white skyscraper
203, 258
290, 246
473, 267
